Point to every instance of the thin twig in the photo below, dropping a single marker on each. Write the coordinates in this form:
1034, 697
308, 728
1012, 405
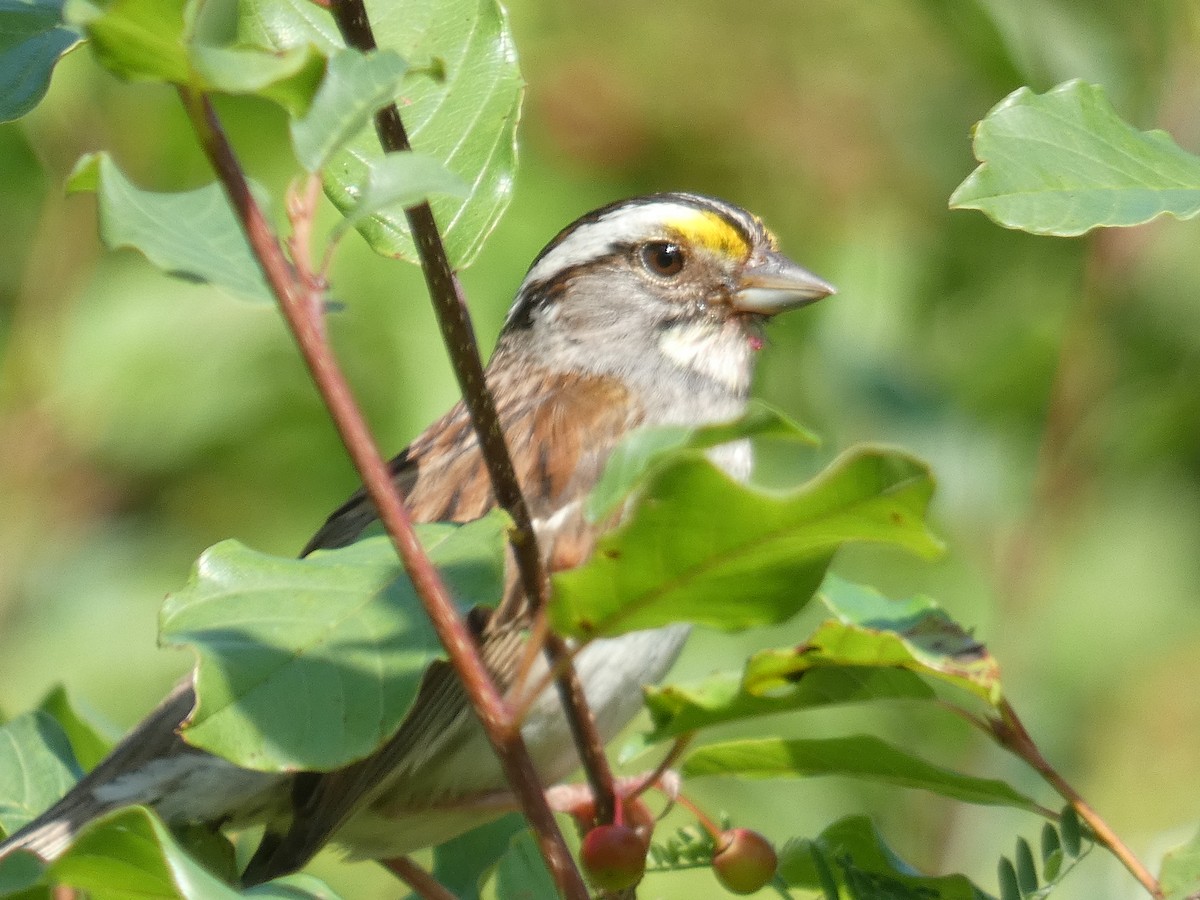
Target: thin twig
677, 747
454, 321
1011, 734
701, 816
583, 730
421, 882
301, 305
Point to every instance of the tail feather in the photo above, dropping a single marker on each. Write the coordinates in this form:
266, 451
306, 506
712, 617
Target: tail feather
115, 782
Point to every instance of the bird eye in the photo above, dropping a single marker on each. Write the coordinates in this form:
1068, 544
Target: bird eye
663, 258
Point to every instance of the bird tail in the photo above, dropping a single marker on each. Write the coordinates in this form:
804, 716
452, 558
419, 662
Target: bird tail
121, 779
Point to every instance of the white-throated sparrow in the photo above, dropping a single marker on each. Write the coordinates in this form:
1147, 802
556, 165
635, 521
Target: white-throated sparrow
645, 312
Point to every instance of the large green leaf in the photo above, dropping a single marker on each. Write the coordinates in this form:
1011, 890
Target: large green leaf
130, 853
871, 630
861, 756
875, 649
648, 449
676, 709
522, 873
88, 745
461, 864
462, 111
851, 856
1064, 162
311, 663
33, 38
21, 877
36, 768
401, 180
701, 547
293, 887
193, 234
354, 87
288, 77
139, 40
161, 40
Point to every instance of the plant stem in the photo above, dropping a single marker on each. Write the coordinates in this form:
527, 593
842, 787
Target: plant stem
678, 746
1010, 733
705, 822
301, 304
459, 337
421, 882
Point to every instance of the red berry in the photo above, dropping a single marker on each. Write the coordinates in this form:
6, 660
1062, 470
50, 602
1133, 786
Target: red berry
744, 861
613, 856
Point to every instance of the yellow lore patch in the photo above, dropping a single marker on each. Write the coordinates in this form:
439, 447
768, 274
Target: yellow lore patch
709, 230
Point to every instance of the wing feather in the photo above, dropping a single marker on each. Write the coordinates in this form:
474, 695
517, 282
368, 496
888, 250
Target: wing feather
560, 438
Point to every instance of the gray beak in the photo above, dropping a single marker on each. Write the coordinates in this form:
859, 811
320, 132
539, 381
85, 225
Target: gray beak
776, 284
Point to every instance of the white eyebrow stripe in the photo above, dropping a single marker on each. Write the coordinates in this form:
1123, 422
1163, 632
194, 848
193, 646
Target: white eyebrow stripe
627, 224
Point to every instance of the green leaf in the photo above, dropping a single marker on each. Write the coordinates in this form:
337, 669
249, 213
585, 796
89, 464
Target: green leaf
139, 40
294, 887
1064, 162
872, 630
1071, 831
1019, 879
860, 756
403, 180
291, 23
1006, 874
522, 873
193, 234
679, 708
821, 868
1052, 852
648, 449
288, 77
311, 663
851, 855
36, 768
1180, 875
1027, 879
756, 561
354, 87
130, 853
467, 119
155, 40
33, 38
18, 873
88, 745
459, 865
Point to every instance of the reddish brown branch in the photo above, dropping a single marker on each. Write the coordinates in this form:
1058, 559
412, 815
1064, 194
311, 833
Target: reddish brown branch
421, 882
454, 320
1010, 733
301, 304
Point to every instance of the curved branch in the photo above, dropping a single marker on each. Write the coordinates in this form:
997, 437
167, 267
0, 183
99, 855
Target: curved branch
454, 321
1010, 733
301, 304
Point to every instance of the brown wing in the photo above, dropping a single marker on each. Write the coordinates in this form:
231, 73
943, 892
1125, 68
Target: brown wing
560, 438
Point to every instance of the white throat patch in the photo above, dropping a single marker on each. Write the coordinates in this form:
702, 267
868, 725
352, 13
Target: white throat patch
710, 350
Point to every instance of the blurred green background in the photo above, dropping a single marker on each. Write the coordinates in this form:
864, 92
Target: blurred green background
1053, 384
